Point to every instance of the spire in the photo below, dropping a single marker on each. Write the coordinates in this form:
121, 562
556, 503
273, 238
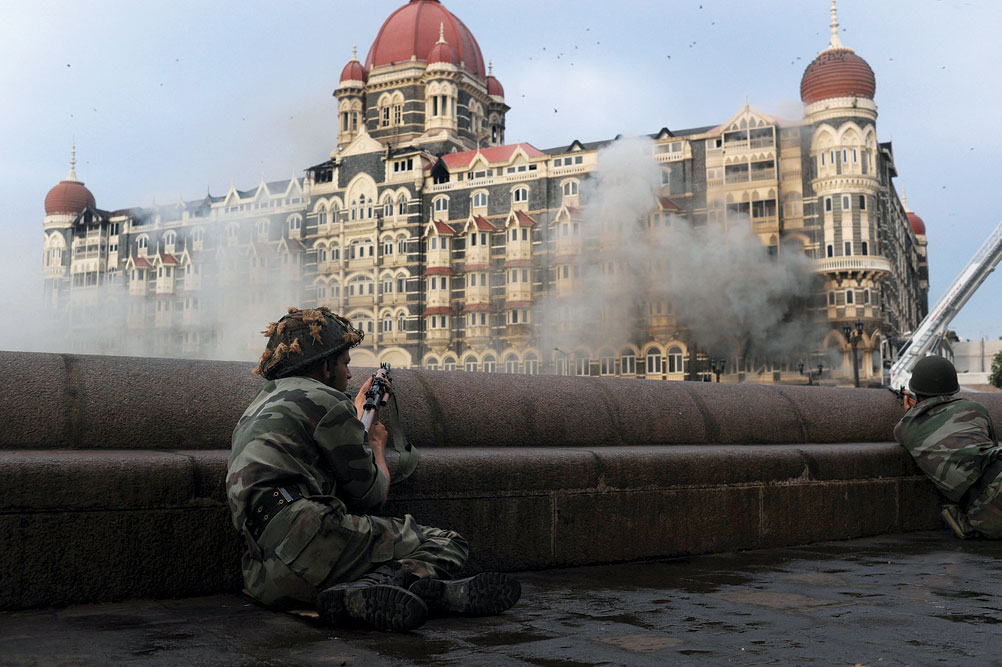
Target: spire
835, 42
72, 176
354, 51
441, 34
490, 68
904, 199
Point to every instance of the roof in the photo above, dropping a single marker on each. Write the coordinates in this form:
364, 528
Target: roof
918, 225
69, 196
353, 71
478, 308
168, 260
524, 219
443, 228
438, 271
483, 224
141, 262
493, 155
837, 73
412, 31
668, 205
441, 310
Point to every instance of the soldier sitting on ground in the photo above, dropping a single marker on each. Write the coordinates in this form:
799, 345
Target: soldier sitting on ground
954, 442
303, 472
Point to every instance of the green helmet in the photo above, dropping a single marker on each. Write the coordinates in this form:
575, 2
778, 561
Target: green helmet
303, 337
934, 376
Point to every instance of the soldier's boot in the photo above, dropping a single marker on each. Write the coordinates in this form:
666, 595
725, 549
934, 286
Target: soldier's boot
956, 521
378, 599
484, 594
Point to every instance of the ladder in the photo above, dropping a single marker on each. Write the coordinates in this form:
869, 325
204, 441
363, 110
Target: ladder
927, 335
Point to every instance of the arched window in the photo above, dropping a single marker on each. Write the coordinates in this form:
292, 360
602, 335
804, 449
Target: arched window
520, 194
442, 205
531, 364
401, 245
628, 363
676, 361
321, 216
511, 364
402, 206
388, 208
480, 200
570, 188
142, 244
169, 239
470, 364
490, 363
295, 222
654, 360
431, 364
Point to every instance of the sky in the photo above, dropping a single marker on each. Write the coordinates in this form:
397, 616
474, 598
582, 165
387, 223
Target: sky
166, 100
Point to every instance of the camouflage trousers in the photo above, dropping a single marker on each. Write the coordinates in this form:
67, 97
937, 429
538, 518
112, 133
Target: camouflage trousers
310, 546
985, 511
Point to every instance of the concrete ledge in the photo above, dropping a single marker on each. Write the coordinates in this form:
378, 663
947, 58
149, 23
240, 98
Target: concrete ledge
57, 401
88, 526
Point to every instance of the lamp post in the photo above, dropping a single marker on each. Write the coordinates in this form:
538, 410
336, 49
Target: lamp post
810, 373
717, 365
852, 335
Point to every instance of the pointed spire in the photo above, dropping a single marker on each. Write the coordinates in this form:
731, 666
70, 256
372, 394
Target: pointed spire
354, 52
835, 42
72, 176
441, 34
490, 68
904, 199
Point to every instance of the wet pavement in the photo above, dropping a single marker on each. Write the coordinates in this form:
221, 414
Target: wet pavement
920, 598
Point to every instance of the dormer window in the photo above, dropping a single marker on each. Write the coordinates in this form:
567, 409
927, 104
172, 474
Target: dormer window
480, 200
520, 195
570, 188
442, 205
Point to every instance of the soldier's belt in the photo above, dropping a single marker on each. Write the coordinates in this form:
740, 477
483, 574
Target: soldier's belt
976, 489
269, 506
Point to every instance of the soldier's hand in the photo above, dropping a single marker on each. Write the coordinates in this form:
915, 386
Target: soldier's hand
909, 400
377, 438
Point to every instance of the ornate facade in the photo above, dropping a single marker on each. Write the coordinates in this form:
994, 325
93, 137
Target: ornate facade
442, 240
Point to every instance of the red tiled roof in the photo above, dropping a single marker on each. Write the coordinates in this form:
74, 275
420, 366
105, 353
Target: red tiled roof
141, 263
68, 197
168, 260
353, 71
413, 30
444, 228
668, 204
438, 271
493, 155
441, 310
294, 244
478, 308
483, 224
524, 219
518, 304
918, 225
518, 264
477, 267
494, 87
837, 73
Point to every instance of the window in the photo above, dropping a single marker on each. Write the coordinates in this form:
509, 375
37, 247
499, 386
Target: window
480, 200
142, 244
862, 202
490, 364
296, 222
262, 229
321, 255
388, 247
511, 365
654, 361
676, 360
401, 284
850, 297
470, 365
387, 209
830, 250
531, 364
387, 324
866, 296
398, 114
169, 239
607, 365
520, 195
198, 235
387, 286
582, 366
864, 248
384, 120
847, 247
401, 323
431, 365
402, 245
846, 203
831, 298
828, 203
321, 217
442, 205
570, 188
402, 206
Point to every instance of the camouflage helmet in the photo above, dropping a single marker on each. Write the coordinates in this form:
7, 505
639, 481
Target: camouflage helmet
934, 376
303, 337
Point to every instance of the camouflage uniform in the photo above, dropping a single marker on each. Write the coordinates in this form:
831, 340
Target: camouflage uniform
300, 433
953, 441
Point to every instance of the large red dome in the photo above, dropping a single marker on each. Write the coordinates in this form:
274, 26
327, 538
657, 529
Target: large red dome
837, 72
413, 30
918, 226
68, 197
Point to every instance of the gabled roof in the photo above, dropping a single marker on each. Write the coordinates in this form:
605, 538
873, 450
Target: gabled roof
438, 271
139, 262
493, 155
441, 310
167, 260
479, 223
521, 219
443, 228
667, 204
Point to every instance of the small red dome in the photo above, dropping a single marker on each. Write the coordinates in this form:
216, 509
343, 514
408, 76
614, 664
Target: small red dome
412, 32
441, 53
494, 88
837, 72
918, 226
353, 71
68, 197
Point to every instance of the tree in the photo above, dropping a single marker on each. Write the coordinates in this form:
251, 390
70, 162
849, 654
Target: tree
996, 377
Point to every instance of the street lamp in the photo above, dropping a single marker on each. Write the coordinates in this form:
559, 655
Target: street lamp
852, 335
717, 365
810, 373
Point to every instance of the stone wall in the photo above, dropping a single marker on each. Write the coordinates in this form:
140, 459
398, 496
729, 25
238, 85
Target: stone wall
112, 469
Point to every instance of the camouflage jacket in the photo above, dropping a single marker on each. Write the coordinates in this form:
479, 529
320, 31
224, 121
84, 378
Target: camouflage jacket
951, 439
300, 432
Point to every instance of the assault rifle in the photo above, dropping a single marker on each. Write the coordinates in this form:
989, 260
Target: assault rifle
379, 394
900, 393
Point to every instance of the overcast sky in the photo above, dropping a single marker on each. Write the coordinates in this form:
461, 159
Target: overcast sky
168, 99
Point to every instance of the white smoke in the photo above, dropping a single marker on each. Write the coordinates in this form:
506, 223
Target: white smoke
718, 279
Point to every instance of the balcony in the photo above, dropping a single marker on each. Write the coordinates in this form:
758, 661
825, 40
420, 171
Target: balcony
437, 337
856, 263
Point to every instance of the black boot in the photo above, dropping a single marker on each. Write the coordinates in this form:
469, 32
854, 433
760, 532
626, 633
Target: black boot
484, 594
377, 599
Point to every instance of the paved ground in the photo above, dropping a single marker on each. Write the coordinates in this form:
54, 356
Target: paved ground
921, 598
